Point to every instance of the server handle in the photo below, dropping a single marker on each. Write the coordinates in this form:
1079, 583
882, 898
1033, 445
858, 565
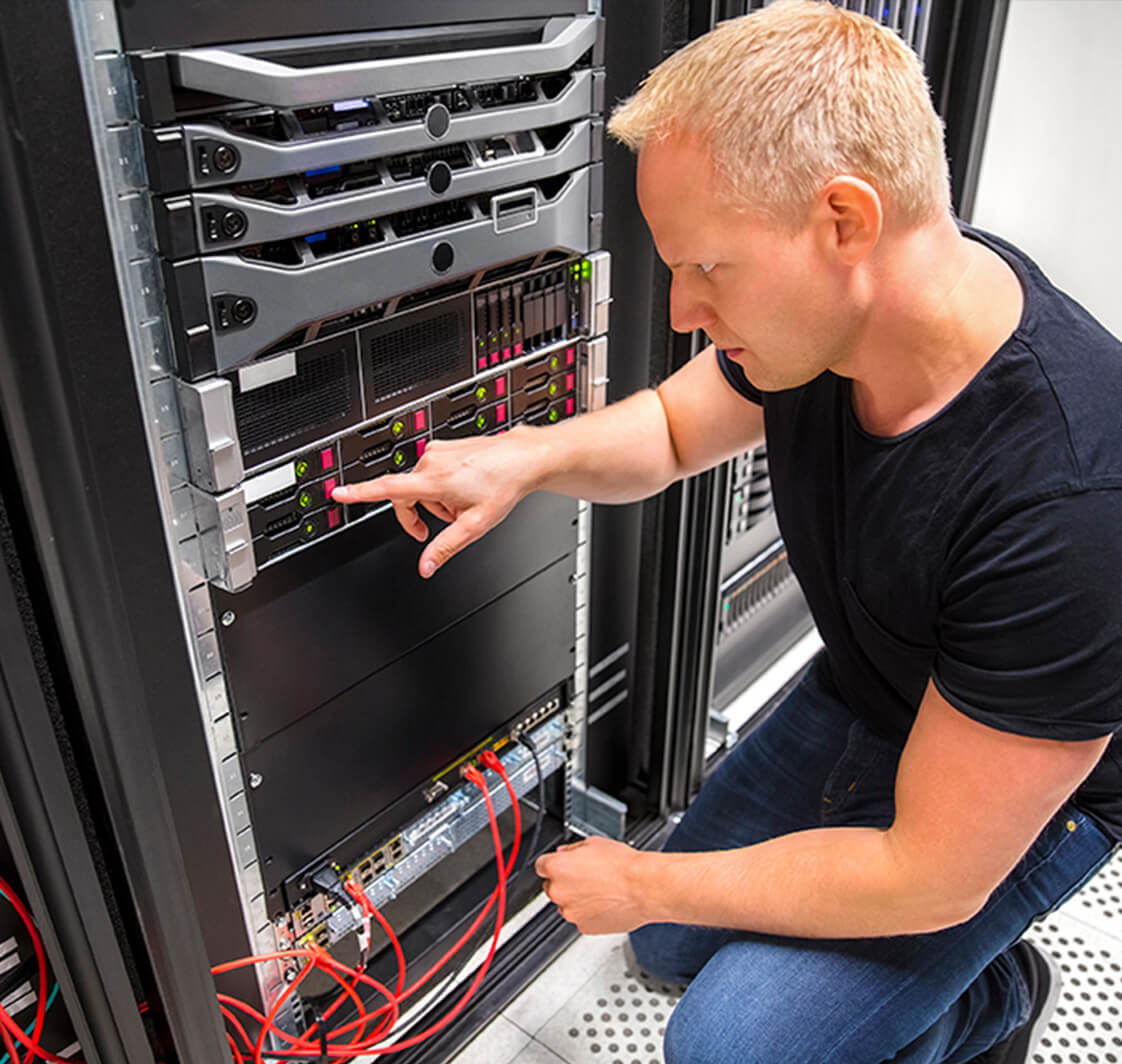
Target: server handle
234, 74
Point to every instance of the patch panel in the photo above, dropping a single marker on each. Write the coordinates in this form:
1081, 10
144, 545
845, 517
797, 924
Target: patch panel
453, 817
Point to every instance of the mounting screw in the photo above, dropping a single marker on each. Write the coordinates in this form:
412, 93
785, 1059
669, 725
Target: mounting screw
228, 618
225, 158
255, 780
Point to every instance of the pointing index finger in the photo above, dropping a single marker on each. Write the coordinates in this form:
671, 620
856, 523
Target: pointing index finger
396, 487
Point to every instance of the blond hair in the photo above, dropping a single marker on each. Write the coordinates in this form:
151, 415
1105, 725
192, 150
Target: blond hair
787, 97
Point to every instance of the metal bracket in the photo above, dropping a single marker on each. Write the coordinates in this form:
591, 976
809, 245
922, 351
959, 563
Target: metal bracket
596, 813
213, 450
594, 359
227, 542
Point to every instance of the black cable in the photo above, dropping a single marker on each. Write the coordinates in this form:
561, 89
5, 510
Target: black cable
531, 853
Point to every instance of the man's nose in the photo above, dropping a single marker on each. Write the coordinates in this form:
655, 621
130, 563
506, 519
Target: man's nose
688, 310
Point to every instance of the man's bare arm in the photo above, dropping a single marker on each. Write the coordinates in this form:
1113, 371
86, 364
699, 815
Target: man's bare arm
625, 452
970, 800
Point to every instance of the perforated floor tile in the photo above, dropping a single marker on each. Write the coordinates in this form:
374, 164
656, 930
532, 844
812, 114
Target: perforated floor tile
612, 1019
1100, 902
1087, 1025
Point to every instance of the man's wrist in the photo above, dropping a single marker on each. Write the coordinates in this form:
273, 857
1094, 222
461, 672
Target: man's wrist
643, 886
538, 459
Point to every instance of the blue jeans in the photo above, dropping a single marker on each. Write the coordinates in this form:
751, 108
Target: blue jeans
761, 999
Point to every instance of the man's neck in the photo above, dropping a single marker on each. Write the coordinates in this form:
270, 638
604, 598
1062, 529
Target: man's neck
943, 306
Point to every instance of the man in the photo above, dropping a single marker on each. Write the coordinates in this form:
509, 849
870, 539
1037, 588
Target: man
852, 883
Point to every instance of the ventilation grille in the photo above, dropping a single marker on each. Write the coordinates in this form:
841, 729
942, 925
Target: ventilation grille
321, 393
429, 350
755, 591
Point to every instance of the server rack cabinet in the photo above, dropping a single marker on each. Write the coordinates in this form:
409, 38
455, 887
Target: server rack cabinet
161, 365
210, 350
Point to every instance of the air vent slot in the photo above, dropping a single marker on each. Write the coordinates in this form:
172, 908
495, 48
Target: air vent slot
412, 355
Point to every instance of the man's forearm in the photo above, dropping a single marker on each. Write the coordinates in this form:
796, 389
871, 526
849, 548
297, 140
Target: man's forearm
822, 883
620, 454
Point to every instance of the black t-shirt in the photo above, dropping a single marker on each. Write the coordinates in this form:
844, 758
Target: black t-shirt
981, 549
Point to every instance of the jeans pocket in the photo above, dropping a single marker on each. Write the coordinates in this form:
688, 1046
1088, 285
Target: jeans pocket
1098, 847
860, 789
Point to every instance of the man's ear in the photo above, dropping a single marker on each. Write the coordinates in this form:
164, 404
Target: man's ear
850, 219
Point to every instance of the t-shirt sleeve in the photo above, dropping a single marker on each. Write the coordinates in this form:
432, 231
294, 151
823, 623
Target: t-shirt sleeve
1030, 626
737, 378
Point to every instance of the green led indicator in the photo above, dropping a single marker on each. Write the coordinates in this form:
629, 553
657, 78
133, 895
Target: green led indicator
555, 362
302, 468
481, 392
309, 528
398, 427
586, 269
304, 500
553, 415
552, 389
481, 421
398, 458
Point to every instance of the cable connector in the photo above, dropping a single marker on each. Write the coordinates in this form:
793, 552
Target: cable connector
473, 775
491, 760
326, 878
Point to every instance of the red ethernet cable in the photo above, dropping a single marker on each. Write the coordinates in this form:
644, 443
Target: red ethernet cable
490, 761
8, 1026
303, 1047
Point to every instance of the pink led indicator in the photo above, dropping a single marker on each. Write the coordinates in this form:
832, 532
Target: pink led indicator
569, 407
570, 356
482, 362
570, 380
419, 421
494, 358
329, 485
500, 387
334, 517
421, 444
517, 349
506, 353
327, 457
500, 413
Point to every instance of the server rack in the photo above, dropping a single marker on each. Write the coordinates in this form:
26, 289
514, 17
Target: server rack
164, 517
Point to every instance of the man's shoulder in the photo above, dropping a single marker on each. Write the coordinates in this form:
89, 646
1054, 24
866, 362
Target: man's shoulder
1056, 386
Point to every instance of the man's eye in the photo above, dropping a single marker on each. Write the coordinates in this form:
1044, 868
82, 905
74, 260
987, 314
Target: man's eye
706, 267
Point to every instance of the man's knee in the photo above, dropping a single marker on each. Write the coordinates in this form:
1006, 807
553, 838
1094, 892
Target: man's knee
674, 953
648, 950
757, 1003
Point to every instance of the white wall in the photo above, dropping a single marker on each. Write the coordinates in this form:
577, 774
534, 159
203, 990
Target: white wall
1051, 175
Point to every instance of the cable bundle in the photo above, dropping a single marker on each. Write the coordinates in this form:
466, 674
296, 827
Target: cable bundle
361, 1036
11, 1034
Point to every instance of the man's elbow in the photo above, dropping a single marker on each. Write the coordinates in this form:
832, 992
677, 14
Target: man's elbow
935, 898
936, 910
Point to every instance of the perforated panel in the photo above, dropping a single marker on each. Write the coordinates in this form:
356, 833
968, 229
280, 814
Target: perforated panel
280, 416
414, 354
1087, 1025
